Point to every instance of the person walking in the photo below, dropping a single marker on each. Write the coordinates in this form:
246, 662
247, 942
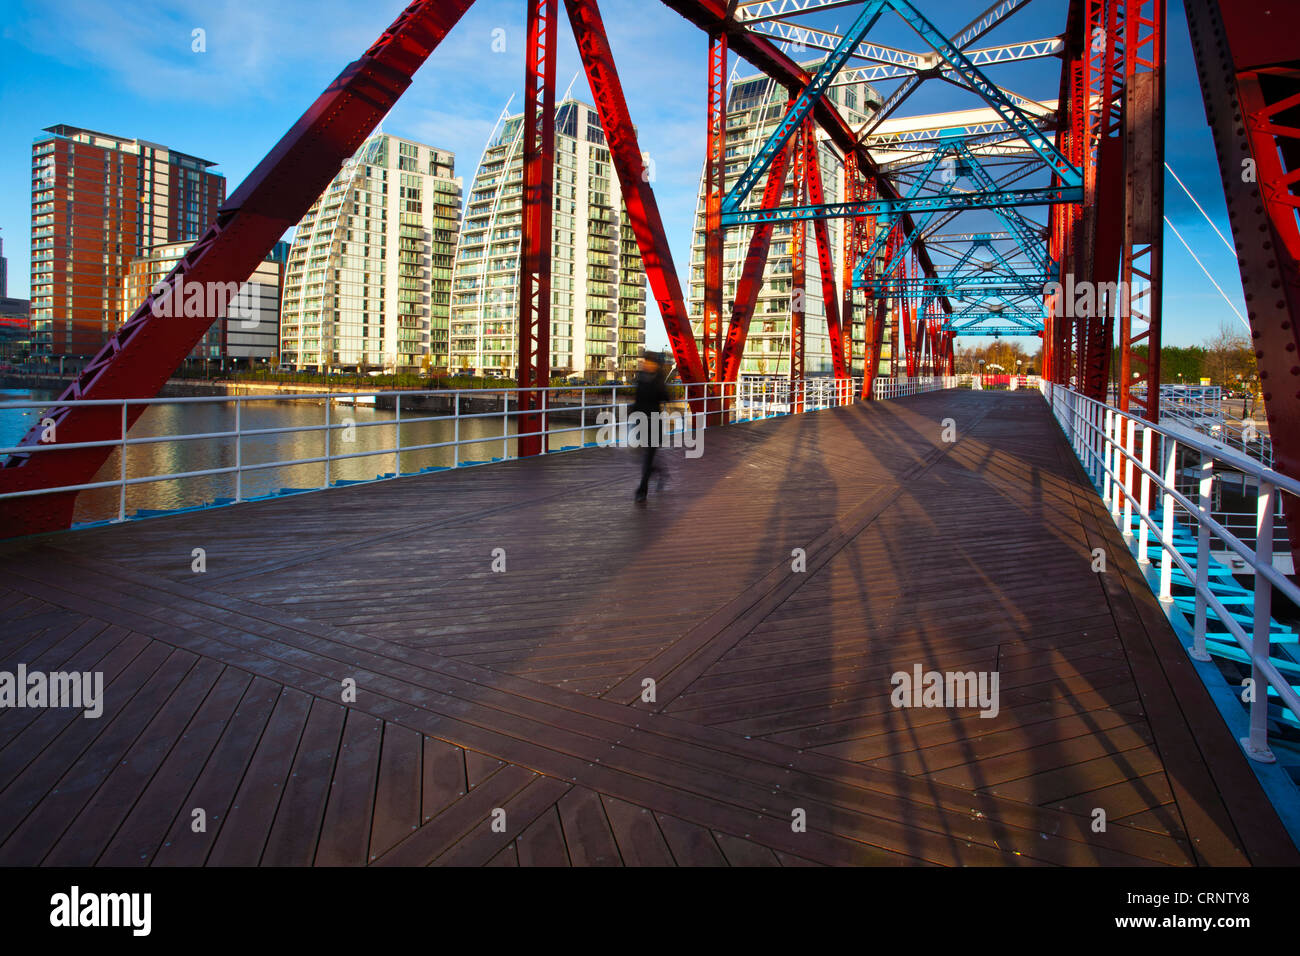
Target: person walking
651, 393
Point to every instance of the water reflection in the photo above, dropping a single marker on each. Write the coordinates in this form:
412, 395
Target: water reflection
373, 429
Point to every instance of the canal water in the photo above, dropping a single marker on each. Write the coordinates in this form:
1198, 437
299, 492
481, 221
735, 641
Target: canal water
373, 429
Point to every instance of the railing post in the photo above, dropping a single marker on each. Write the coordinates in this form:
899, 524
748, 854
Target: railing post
455, 432
1117, 485
121, 501
239, 450
1167, 525
1144, 502
1202, 558
327, 442
505, 426
399, 435
1257, 743
1125, 471
1105, 459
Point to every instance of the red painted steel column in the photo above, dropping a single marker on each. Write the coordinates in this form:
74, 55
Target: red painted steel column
1142, 262
751, 276
825, 255
141, 356
715, 166
642, 210
1251, 87
863, 241
851, 227
534, 318
798, 264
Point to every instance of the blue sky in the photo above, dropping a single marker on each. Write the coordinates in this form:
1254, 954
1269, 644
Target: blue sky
127, 68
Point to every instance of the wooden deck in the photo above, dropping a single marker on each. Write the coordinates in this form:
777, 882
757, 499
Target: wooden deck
521, 691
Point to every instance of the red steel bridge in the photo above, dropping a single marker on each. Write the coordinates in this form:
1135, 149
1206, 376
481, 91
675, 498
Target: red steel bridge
1090, 168
481, 694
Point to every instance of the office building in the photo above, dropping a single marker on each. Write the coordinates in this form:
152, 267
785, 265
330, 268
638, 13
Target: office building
248, 336
98, 202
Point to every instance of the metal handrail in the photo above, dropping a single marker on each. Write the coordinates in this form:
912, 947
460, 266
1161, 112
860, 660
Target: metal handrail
1106, 441
736, 401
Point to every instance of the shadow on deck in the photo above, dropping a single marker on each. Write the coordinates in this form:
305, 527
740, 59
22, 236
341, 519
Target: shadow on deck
499, 715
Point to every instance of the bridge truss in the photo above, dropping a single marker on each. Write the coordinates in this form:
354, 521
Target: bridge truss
980, 222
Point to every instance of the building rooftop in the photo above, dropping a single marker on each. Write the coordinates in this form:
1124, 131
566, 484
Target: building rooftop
94, 137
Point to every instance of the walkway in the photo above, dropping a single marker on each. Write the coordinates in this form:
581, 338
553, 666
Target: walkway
521, 690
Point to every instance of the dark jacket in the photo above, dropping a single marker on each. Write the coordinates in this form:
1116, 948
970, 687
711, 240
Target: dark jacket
651, 391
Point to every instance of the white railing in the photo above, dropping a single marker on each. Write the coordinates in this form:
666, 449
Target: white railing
571, 413
886, 388
1202, 407
1136, 466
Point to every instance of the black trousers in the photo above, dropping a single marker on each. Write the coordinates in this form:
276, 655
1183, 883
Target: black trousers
647, 469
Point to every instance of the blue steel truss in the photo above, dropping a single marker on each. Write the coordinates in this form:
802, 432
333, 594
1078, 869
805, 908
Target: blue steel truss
995, 330
952, 286
947, 202
803, 105
969, 74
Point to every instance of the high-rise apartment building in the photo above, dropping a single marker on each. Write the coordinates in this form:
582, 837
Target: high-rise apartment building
98, 202
598, 282
248, 336
755, 106
368, 280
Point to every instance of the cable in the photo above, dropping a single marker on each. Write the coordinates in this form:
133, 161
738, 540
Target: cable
1207, 273
1198, 206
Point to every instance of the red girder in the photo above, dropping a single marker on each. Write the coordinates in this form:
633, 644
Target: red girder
825, 255
751, 276
534, 319
1246, 56
851, 192
141, 356
1142, 259
715, 15
642, 210
798, 266
715, 189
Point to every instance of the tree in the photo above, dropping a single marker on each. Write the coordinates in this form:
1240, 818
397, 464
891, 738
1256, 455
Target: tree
1228, 356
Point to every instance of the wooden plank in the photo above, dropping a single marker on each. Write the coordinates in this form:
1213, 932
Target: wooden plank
637, 833
300, 816
345, 834
443, 777
242, 836
31, 840
690, 843
542, 843
90, 832
586, 829
145, 828
190, 839
397, 793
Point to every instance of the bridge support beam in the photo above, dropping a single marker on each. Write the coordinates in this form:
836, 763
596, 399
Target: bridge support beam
1251, 85
751, 276
798, 269
642, 209
534, 318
